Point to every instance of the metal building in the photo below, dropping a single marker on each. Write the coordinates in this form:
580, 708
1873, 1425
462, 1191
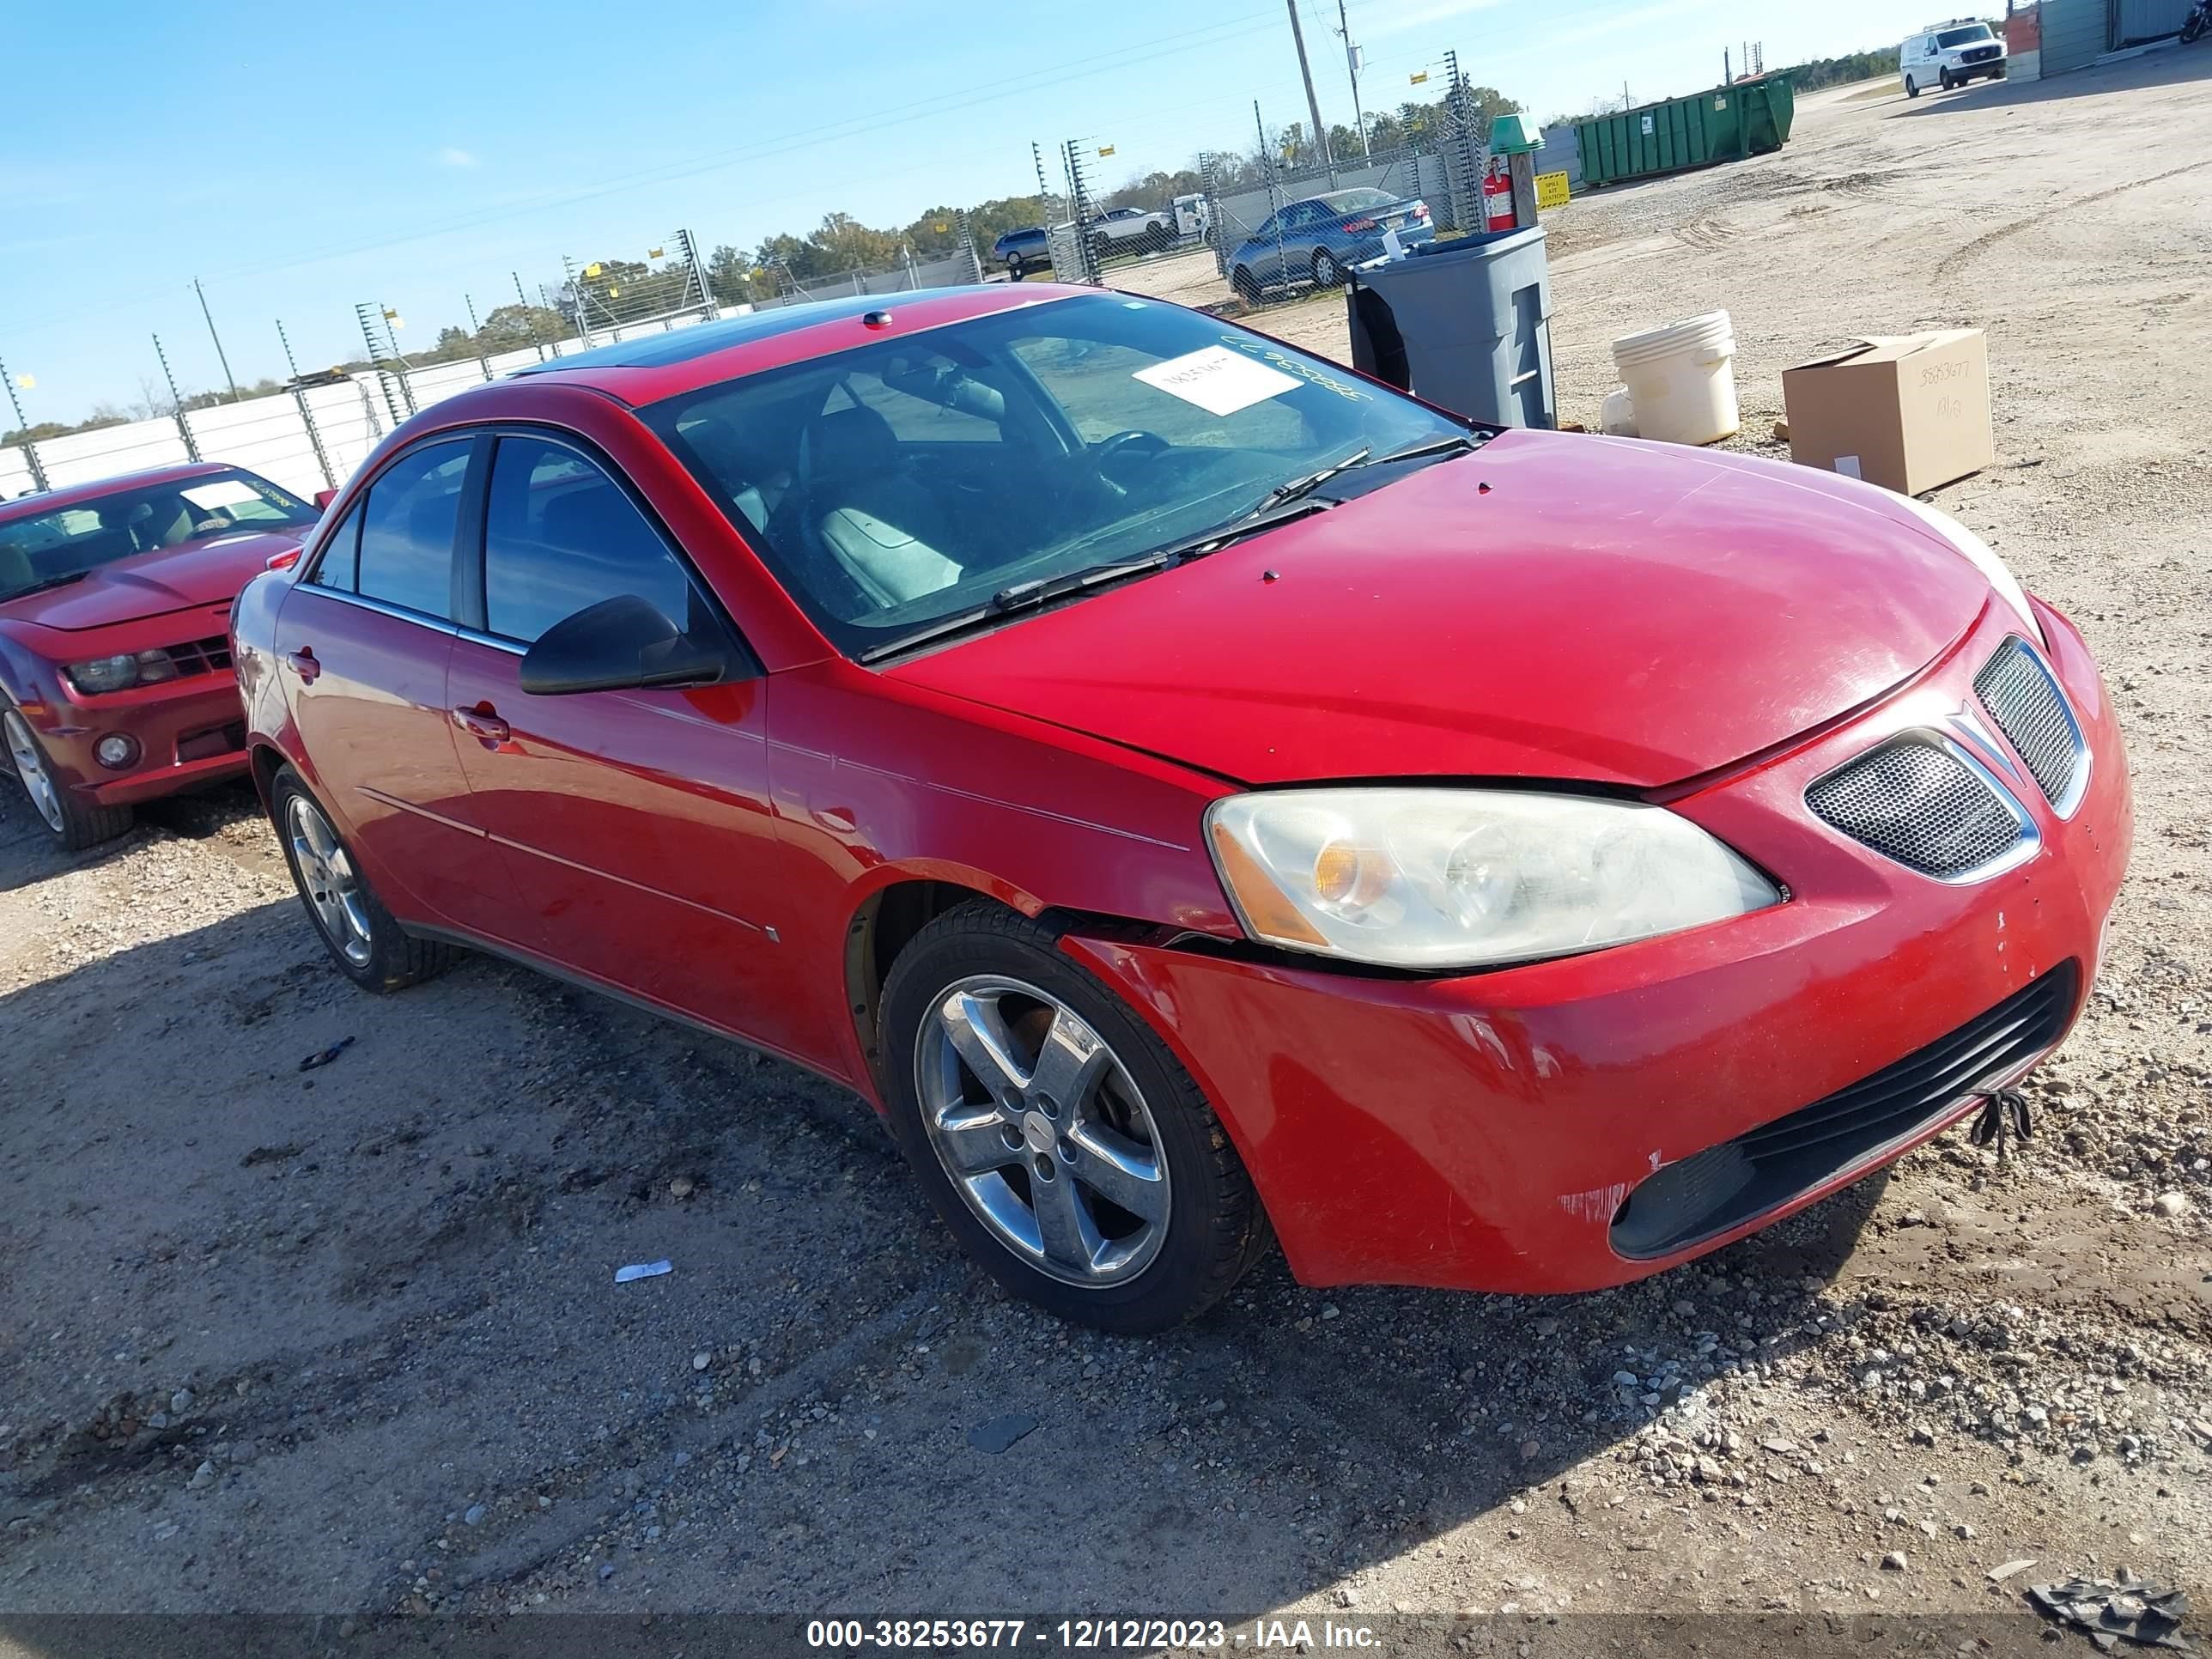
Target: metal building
2077, 32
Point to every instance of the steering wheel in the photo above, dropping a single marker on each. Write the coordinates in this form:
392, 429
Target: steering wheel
1110, 449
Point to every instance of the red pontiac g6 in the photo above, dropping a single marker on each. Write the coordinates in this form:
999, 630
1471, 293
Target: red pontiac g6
115, 680
1196, 792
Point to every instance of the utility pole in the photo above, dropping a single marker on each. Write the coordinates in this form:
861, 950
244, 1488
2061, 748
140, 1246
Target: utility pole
217, 338
30, 450
1728, 71
1313, 103
1351, 68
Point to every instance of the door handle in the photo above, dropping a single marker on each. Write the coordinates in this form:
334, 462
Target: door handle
304, 665
483, 724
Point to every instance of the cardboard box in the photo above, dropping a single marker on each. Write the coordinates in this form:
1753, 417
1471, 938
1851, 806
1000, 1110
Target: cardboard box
1908, 413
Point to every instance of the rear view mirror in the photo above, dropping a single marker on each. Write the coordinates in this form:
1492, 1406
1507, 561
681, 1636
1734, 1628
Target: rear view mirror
621, 644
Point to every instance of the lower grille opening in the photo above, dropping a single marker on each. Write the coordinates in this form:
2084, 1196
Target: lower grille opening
212, 740
1725, 1186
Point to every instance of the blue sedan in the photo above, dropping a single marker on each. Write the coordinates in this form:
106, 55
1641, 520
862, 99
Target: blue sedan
1312, 240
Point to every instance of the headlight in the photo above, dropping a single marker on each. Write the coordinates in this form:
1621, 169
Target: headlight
1468, 878
120, 672
1991, 567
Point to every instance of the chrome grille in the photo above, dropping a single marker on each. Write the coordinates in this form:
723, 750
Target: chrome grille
1919, 801
2026, 703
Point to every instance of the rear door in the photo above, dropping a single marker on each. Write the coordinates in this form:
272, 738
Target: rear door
361, 646
637, 824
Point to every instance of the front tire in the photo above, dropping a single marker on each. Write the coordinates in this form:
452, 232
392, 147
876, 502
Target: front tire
75, 823
369, 947
1911, 87
1943, 79
1245, 285
1057, 1137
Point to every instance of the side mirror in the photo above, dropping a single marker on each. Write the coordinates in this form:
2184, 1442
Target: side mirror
324, 498
621, 644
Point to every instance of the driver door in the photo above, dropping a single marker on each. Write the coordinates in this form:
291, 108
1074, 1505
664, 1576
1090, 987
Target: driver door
636, 823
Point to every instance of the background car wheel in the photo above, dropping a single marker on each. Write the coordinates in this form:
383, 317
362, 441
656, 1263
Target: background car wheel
1014, 267
1911, 87
1056, 1135
1943, 79
74, 821
1327, 273
1246, 287
369, 947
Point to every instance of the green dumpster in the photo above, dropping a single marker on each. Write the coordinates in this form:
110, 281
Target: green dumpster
1724, 124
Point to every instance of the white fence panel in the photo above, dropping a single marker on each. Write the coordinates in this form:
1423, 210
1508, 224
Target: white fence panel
15, 474
262, 434
83, 457
351, 424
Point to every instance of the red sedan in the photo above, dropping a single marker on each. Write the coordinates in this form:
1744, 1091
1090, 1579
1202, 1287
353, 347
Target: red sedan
115, 674
1195, 791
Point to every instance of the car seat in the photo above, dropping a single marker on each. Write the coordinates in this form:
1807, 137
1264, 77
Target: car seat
864, 512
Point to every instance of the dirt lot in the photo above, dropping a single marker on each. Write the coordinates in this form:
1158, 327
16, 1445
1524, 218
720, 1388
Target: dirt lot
346, 1340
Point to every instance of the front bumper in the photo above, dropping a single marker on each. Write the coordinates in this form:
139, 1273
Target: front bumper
1482, 1133
190, 732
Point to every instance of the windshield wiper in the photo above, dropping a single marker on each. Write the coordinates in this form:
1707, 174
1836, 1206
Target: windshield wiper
40, 588
1029, 596
1311, 482
1437, 446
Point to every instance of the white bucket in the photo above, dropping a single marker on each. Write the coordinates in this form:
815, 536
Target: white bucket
1618, 418
1682, 379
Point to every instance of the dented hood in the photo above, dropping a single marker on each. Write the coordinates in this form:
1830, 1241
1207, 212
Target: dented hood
1604, 611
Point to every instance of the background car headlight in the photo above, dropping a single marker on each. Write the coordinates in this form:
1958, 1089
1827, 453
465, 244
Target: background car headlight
120, 672
1468, 878
1978, 554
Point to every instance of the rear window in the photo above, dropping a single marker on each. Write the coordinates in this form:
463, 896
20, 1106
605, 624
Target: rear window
1351, 201
1963, 37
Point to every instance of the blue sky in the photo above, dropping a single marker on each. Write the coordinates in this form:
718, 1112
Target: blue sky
300, 159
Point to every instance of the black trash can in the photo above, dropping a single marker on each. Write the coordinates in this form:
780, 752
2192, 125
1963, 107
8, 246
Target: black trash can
1466, 324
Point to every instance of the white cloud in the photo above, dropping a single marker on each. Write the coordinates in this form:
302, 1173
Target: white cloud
450, 157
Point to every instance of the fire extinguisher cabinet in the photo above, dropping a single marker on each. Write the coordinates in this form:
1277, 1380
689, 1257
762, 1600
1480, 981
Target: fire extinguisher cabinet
1466, 324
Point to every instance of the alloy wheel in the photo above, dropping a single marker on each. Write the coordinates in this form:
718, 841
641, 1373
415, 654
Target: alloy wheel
31, 767
1326, 271
1042, 1131
328, 881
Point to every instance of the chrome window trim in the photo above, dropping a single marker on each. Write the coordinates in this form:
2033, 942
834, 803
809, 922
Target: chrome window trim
2030, 838
383, 608
492, 642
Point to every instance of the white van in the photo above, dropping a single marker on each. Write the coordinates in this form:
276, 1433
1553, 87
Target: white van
1948, 55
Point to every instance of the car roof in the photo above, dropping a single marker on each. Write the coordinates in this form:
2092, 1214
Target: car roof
645, 370
25, 506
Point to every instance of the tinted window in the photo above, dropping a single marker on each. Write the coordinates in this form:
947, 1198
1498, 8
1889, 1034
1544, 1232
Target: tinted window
1122, 426
559, 536
1350, 201
340, 554
407, 528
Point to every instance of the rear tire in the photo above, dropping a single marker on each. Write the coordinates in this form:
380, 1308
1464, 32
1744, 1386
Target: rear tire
1086, 1086
1245, 285
74, 821
1327, 273
369, 947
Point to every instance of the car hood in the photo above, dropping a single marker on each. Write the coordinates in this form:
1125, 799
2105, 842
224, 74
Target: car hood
198, 572
1550, 607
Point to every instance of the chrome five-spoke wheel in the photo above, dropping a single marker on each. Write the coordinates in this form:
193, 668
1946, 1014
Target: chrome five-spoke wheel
1042, 1131
327, 881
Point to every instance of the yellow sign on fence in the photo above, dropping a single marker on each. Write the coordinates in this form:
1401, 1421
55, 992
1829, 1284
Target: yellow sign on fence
1550, 190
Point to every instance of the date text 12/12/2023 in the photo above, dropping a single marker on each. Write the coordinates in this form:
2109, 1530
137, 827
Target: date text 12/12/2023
1084, 1635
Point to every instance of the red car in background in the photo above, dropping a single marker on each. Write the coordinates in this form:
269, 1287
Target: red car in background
1194, 790
115, 674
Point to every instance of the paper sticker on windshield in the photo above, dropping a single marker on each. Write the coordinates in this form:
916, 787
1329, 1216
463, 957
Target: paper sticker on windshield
1218, 380
224, 492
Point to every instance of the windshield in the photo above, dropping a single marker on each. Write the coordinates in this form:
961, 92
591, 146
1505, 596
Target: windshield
895, 485
44, 548
1965, 37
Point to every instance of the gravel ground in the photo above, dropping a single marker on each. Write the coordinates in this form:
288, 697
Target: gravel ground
347, 1341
